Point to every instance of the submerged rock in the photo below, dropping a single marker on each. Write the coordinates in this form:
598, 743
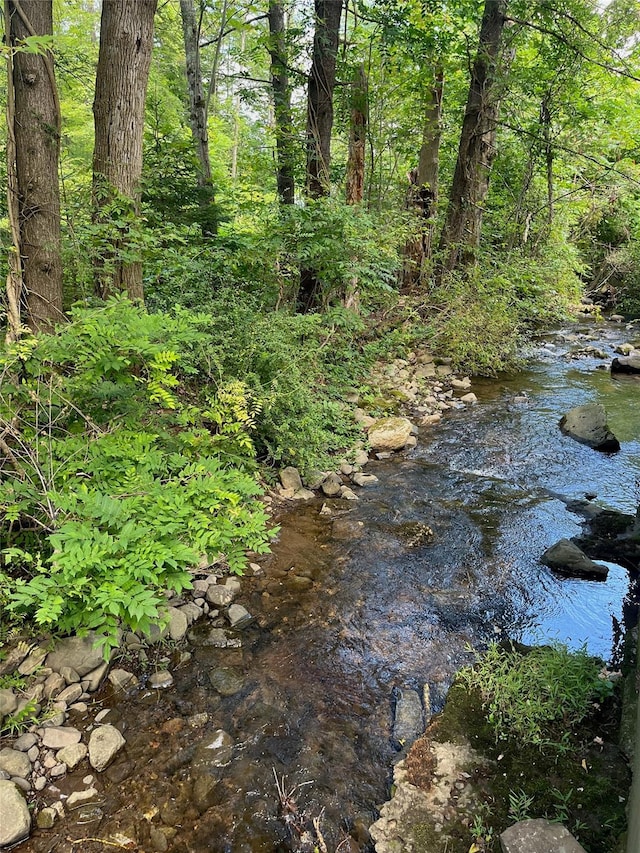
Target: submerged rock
567, 558
408, 722
538, 836
588, 425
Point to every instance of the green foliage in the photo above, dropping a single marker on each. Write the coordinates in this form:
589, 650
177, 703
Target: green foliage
536, 698
17, 723
115, 485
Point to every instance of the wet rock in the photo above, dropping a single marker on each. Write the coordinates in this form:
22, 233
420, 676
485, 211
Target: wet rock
290, 478
390, 433
408, 722
204, 792
104, 744
567, 558
469, 399
538, 836
588, 425
238, 616
46, 818
158, 839
16, 819
72, 755
80, 798
212, 752
331, 485
14, 763
208, 635
629, 364
79, 653
227, 680
348, 494
8, 702
364, 479
161, 680
57, 737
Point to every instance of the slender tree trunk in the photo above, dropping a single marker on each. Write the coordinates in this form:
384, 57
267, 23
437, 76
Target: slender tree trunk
126, 38
215, 65
460, 237
422, 197
545, 121
322, 78
357, 137
281, 102
198, 115
33, 153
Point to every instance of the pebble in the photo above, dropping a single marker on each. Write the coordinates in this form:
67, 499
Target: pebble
161, 680
25, 742
39, 783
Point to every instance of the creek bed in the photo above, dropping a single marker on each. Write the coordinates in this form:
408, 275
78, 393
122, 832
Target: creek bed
387, 592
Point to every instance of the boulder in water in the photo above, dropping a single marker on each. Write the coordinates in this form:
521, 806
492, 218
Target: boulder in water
629, 364
588, 425
567, 558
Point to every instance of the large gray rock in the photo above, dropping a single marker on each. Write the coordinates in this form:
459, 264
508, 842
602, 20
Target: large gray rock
627, 364
390, 433
79, 653
408, 722
290, 478
16, 819
538, 836
588, 425
178, 623
8, 702
15, 763
567, 558
331, 485
104, 744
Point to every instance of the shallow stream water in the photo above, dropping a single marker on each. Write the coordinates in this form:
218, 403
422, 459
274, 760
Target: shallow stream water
354, 605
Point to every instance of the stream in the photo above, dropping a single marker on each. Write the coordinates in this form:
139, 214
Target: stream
392, 591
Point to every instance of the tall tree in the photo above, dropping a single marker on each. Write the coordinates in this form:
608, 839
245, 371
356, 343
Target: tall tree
191, 27
126, 37
461, 231
322, 80
357, 136
33, 152
281, 102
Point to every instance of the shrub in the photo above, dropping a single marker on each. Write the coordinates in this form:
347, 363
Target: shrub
113, 483
536, 697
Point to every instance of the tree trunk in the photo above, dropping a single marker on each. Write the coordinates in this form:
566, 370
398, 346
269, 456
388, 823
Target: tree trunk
322, 78
422, 197
33, 152
357, 137
198, 115
126, 37
461, 232
281, 102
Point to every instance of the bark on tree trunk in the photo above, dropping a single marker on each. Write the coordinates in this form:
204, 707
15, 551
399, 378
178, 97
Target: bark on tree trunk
461, 232
322, 78
357, 137
33, 155
423, 185
281, 102
198, 115
126, 37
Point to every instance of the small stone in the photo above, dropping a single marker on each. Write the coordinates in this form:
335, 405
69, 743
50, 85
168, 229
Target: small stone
121, 679
220, 595
46, 818
226, 680
102, 714
54, 685
191, 611
58, 770
81, 798
88, 780
70, 694
361, 457
33, 754
331, 485
197, 721
55, 721
25, 742
412, 442
104, 744
94, 679
40, 783
22, 783
69, 674
200, 588
57, 737
8, 702
290, 478
469, 399
71, 756
161, 680
302, 495
33, 662
348, 494
14, 763
364, 479
79, 707
178, 624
